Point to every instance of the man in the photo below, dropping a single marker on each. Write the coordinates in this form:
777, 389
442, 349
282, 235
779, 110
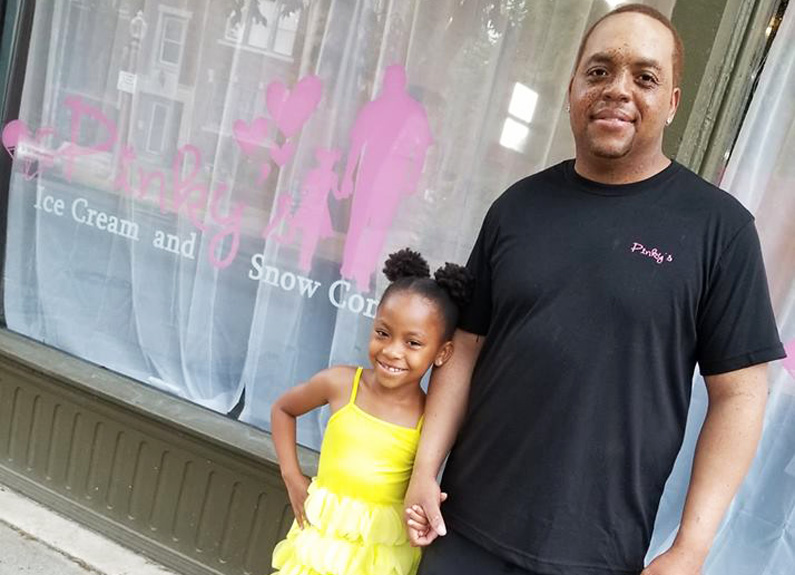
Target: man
601, 283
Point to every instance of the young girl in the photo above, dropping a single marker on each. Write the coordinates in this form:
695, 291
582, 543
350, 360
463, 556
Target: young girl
348, 520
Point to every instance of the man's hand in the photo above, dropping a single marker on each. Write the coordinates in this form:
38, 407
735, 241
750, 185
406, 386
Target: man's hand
423, 513
419, 527
676, 561
297, 489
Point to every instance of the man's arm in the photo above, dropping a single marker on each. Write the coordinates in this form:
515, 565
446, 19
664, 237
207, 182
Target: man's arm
726, 446
444, 411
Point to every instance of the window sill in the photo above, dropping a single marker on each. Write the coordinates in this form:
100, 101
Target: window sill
203, 424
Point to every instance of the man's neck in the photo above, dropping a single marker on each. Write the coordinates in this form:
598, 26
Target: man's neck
620, 170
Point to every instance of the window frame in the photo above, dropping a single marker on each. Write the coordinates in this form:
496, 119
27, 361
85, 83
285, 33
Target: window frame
152, 123
179, 43
17, 29
243, 40
166, 14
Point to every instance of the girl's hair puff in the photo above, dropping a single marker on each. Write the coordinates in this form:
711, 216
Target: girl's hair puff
457, 281
450, 288
406, 264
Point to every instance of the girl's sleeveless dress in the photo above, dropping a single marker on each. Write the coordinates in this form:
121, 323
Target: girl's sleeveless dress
354, 509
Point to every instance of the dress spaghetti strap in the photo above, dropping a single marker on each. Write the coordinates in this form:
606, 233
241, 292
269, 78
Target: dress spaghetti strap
356, 378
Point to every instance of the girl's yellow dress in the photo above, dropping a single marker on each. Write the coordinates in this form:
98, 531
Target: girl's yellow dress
355, 505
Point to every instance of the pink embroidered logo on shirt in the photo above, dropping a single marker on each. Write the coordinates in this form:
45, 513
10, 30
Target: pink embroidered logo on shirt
652, 253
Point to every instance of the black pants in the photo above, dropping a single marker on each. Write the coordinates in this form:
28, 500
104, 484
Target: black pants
454, 554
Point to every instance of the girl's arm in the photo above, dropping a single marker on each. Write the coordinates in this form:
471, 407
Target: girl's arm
328, 386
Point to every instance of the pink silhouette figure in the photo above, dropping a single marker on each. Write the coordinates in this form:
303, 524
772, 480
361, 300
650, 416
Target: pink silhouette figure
389, 141
312, 217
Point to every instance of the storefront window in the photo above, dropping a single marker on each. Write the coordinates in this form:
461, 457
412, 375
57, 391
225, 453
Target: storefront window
202, 198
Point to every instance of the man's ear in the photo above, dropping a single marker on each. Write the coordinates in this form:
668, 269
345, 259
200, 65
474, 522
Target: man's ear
443, 354
676, 97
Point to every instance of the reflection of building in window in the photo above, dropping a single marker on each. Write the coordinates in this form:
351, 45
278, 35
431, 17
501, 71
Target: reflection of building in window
516, 129
172, 40
157, 128
172, 30
74, 38
157, 132
268, 25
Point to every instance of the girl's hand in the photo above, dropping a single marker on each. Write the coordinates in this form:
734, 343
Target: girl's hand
331, 386
419, 527
416, 518
297, 489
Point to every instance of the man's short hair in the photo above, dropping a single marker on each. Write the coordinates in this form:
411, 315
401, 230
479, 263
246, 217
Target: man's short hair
679, 50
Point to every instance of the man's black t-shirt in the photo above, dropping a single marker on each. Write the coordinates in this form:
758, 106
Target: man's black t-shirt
597, 302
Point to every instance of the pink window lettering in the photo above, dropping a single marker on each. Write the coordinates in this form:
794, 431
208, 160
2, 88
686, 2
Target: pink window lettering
230, 223
389, 141
122, 179
79, 110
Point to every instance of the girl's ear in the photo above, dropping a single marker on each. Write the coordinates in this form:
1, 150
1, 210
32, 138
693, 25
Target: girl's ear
443, 354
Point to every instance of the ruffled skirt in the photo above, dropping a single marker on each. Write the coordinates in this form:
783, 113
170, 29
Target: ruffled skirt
346, 536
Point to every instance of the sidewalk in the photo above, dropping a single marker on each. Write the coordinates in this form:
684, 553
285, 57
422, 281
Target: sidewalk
36, 541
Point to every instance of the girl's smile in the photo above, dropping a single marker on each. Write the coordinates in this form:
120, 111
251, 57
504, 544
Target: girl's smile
389, 368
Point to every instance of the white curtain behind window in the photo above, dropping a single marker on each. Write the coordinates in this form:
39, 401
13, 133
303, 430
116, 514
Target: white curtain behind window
758, 535
487, 79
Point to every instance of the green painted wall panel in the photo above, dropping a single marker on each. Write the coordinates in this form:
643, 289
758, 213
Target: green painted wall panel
154, 485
